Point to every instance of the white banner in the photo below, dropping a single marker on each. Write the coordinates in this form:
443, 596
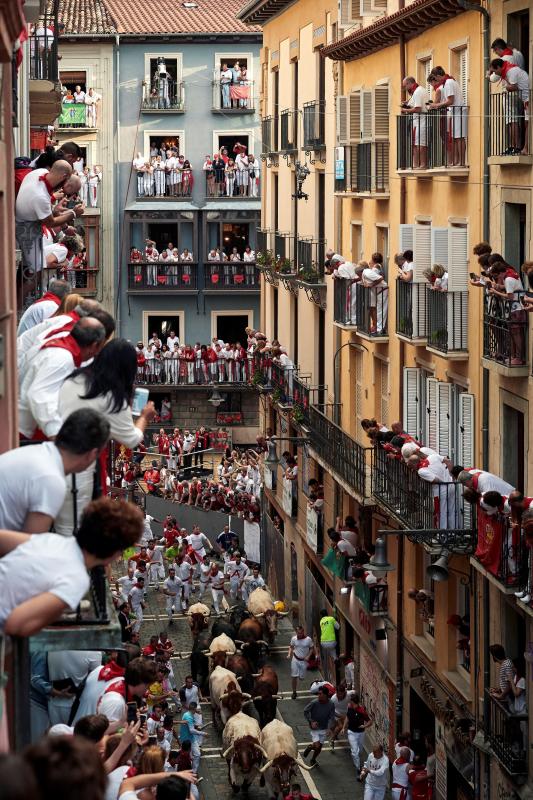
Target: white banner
287, 496
252, 538
312, 527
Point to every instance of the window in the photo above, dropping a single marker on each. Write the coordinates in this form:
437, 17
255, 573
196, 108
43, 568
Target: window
91, 237
158, 144
161, 323
363, 126
427, 609
231, 326
384, 391
382, 245
232, 401
74, 78
461, 632
359, 394
459, 66
228, 141
424, 65
244, 61
513, 456
514, 237
518, 33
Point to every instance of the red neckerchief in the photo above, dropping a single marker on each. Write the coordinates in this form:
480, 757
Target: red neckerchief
48, 296
66, 343
401, 760
443, 81
423, 463
44, 179
74, 316
111, 670
506, 67
120, 688
507, 52
510, 272
415, 87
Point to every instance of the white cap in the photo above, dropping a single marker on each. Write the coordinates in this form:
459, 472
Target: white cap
408, 449
61, 730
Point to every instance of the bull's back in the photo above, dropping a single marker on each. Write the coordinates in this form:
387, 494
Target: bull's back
218, 682
238, 726
276, 738
259, 601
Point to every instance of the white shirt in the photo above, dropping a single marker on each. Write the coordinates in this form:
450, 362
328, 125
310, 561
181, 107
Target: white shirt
171, 341
55, 249
302, 647
126, 585
33, 200
253, 583
378, 775
188, 443
451, 88
217, 581
47, 562
156, 555
183, 570
112, 704
114, 779
136, 597
236, 572
226, 76
45, 373
32, 479
399, 773
36, 313
487, 482
341, 706
74, 664
418, 99
173, 585
198, 540
515, 76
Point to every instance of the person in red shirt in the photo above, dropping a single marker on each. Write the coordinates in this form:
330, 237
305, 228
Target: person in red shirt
141, 556
296, 793
163, 443
152, 478
151, 649
418, 779
164, 645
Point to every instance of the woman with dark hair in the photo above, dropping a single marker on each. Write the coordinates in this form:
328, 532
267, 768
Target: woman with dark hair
105, 385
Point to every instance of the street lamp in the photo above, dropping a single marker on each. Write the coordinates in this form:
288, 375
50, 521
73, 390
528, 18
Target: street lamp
216, 398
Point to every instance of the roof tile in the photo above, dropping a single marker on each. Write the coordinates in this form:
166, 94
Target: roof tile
171, 17
84, 16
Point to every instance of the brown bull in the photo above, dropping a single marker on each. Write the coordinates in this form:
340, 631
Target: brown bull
198, 615
240, 665
265, 694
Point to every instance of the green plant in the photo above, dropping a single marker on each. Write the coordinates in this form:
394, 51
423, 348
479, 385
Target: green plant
309, 275
297, 413
257, 379
265, 259
276, 395
284, 266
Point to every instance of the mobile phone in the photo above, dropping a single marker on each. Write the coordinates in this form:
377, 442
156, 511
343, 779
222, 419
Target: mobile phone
132, 713
140, 398
142, 719
473, 276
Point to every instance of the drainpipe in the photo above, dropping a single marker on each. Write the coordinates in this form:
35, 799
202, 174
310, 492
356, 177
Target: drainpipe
117, 248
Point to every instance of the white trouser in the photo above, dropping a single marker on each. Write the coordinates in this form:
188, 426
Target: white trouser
233, 588
355, 741
217, 595
171, 604
203, 587
59, 709
186, 594
156, 572
138, 619
195, 755
397, 793
374, 794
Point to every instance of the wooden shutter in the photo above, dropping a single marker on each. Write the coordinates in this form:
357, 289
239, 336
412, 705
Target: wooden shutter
457, 259
439, 246
342, 120
444, 418
351, 167
358, 392
365, 8
381, 112
381, 167
465, 441
431, 411
367, 116
406, 237
354, 130
421, 251
411, 401
384, 385
379, 6
345, 12
355, 9
462, 77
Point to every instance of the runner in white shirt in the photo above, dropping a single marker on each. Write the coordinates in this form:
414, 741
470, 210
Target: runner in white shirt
300, 648
216, 581
156, 569
147, 531
197, 541
236, 571
251, 583
136, 601
184, 570
205, 570
172, 588
125, 584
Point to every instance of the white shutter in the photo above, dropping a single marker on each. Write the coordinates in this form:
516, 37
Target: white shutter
354, 10
431, 411
421, 251
365, 8
465, 439
381, 114
462, 78
411, 401
444, 419
406, 237
379, 6
367, 115
439, 246
354, 121
384, 381
358, 391
342, 119
345, 11
457, 259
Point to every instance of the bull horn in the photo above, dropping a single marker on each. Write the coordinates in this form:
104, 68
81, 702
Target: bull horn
206, 652
257, 698
262, 641
282, 613
246, 696
277, 697
228, 751
256, 674
304, 766
187, 654
232, 607
223, 696
240, 677
265, 767
262, 751
238, 641
262, 614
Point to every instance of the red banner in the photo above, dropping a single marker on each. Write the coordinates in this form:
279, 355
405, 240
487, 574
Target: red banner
489, 540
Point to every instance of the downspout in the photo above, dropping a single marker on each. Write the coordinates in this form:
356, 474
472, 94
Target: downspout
338, 335
116, 148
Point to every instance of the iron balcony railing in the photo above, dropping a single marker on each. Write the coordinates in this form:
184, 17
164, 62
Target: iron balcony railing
263, 239
83, 280
314, 124
175, 183
289, 131
504, 330
310, 255
233, 98
160, 275
237, 183
43, 41
231, 275
269, 135
432, 140
510, 134
508, 736
168, 96
374, 598
419, 504
345, 301
411, 309
73, 115
372, 309
292, 390
193, 371
342, 454
447, 321
513, 568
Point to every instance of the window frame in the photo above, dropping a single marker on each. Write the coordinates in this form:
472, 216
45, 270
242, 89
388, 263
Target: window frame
161, 133
175, 56
169, 312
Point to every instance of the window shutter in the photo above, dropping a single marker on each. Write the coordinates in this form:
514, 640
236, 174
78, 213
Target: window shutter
380, 174
354, 134
384, 380
457, 259
365, 8
355, 9
421, 251
431, 411
465, 455
358, 391
406, 237
342, 120
352, 173
345, 12
411, 401
367, 121
428, 66
379, 6
439, 246
462, 78
381, 112
444, 421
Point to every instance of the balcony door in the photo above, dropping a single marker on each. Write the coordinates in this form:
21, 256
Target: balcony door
231, 327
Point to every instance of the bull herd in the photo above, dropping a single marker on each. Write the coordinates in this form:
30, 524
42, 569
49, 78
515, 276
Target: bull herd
228, 663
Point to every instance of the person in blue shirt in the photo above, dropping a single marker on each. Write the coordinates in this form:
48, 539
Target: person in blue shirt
190, 733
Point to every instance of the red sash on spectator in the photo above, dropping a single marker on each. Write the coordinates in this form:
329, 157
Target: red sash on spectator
506, 67
117, 686
490, 533
507, 52
48, 296
66, 343
74, 316
44, 179
111, 670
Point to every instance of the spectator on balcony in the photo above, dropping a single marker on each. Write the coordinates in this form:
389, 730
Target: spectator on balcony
511, 292
213, 254
378, 296
481, 481
404, 262
440, 284
151, 256
434, 469
186, 178
452, 99
514, 80
230, 175
235, 255
226, 79
79, 95
241, 175
91, 101
505, 672
172, 340
219, 166
254, 174
417, 107
45, 307
482, 248
507, 53
209, 176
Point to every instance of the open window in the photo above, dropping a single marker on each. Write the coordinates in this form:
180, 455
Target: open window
159, 144
163, 86
228, 142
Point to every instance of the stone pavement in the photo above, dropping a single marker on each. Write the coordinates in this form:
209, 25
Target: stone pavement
333, 779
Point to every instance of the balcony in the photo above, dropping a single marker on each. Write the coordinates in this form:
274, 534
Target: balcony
284, 262
314, 124
189, 372
504, 335
45, 87
163, 98
167, 278
510, 140
374, 598
372, 305
508, 737
289, 131
508, 563
411, 310
73, 115
365, 170
434, 142
157, 182
235, 98
310, 276
231, 276
447, 322
338, 452
438, 511
344, 303
269, 134
236, 184
91, 189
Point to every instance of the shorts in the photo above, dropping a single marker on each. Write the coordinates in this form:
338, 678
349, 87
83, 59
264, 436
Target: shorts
298, 669
318, 736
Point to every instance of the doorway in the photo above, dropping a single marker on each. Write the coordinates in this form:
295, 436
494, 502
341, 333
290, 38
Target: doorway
229, 141
232, 327
294, 574
518, 33
163, 234
158, 145
234, 235
422, 722
513, 457
515, 234
162, 323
